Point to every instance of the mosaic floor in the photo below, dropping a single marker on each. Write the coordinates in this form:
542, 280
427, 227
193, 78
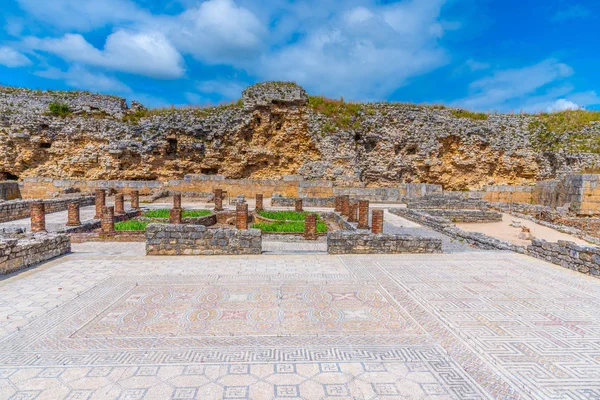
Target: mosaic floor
108, 323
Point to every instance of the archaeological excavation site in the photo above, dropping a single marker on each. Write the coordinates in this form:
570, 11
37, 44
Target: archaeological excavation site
298, 246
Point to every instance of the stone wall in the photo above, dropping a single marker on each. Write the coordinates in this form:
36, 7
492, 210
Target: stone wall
173, 240
345, 242
508, 194
31, 249
278, 201
9, 190
445, 226
466, 216
584, 259
18, 209
447, 202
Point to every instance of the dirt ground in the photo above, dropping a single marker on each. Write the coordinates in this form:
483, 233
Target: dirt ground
503, 231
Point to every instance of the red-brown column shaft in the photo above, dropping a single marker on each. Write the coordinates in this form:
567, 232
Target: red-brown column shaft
73, 214
119, 204
177, 201
352, 208
108, 220
218, 199
135, 199
259, 202
377, 221
310, 227
38, 217
175, 215
298, 205
241, 216
100, 202
363, 214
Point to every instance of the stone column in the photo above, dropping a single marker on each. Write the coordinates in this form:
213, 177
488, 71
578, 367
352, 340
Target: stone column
73, 214
298, 205
241, 216
177, 200
175, 216
345, 205
135, 199
363, 214
310, 227
338, 204
259, 202
352, 208
100, 202
218, 199
108, 220
119, 204
38, 217
377, 221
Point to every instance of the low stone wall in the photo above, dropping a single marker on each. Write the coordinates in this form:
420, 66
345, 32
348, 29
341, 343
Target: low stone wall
448, 202
19, 253
584, 259
278, 201
466, 216
17, 209
9, 190
338, 220
447, 227
198, 240
345, 242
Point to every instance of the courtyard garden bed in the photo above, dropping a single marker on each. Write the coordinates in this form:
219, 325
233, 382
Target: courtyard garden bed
287, 227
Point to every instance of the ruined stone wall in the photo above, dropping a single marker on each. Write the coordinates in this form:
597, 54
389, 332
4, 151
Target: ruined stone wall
584, 259
348, 242
17, 209
170, 240
31, 249
9, 190
508, 194
438, 202
465, 216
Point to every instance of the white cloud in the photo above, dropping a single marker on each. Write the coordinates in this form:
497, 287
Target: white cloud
476, 65
143, 53
509, 89
228, 90
365, 52
83, 15
562, 105
218, 31
11, 58
80, 78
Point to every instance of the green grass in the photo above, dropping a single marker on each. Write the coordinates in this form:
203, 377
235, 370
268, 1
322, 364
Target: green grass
131, 225
287, 227
285, 215
164, 213
564, 130
59, 109
342, 115
476, 116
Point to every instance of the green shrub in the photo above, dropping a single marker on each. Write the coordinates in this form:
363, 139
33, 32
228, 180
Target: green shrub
59, 109
285, 215
477, 116
287, 227
164, 213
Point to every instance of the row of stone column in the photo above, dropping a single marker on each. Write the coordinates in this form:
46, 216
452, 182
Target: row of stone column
359, 212
119, 208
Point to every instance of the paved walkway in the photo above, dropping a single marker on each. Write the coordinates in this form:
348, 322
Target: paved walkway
106, 322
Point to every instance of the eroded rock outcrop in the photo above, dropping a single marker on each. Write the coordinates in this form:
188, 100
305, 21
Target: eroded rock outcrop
277, 130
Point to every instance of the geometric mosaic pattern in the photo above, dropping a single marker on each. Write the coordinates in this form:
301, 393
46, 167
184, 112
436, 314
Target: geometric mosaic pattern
107, 322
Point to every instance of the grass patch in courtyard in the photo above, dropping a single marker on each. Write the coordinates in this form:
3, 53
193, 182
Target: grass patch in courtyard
164, 213
287, 227
286, 215
131, 225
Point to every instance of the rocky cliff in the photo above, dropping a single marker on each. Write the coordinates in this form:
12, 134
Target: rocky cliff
277, 130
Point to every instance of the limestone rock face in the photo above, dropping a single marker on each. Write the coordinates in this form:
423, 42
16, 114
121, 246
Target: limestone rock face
276, 131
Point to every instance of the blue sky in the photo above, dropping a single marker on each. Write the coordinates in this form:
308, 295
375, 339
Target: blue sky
487, 55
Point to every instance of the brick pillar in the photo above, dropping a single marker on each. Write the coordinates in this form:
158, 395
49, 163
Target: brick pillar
363, 214
100, 202
345, 205
338, 204
298, 205
38, 217
177, 201
241, 216
108, 220
310, 227
73, 214
377, 221
135, 199
259, 202
175, 216
119, 204
352, 208
218, 199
